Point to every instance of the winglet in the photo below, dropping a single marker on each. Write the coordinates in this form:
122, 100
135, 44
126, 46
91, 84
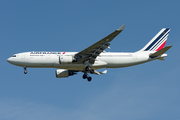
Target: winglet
121, 28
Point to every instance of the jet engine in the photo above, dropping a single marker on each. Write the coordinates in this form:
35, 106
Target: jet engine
61, 73
63, 59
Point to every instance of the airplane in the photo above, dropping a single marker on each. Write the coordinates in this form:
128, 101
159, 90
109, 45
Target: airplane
94, 57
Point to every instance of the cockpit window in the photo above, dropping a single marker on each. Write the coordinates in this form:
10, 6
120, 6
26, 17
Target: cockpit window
14, 56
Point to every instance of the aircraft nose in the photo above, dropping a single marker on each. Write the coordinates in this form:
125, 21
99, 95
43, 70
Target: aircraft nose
9, 60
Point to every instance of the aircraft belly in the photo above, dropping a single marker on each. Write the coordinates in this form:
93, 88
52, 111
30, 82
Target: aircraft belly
38, 64
79, 67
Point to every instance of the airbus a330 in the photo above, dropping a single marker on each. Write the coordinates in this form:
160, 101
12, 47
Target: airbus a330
93, 57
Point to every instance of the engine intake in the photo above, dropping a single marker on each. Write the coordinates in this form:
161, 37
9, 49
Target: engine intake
60, 73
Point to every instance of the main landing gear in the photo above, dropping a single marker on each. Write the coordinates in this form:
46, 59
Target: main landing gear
25, 71
86, 76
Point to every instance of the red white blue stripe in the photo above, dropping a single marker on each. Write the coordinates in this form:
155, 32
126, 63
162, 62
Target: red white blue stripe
159, 41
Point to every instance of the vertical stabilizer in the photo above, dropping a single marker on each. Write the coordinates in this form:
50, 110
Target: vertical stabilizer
158, 41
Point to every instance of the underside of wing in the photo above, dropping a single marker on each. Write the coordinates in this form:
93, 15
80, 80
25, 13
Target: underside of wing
89, 54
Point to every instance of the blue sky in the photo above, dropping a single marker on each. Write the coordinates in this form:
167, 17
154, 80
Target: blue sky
144, 92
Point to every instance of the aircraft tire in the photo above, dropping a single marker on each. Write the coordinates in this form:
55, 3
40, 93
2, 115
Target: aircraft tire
89, 79
92, 71
84, 76
25, 72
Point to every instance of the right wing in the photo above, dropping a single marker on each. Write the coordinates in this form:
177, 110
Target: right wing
89, 54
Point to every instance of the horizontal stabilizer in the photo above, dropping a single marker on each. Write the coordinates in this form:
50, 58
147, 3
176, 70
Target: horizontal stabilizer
161, 58
160, 52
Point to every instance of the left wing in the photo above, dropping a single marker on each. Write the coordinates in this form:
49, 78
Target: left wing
89, 54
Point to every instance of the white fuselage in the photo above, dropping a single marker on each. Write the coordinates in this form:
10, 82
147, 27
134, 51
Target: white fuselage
104, 60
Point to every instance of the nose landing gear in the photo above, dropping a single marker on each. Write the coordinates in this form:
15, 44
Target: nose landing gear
25, 71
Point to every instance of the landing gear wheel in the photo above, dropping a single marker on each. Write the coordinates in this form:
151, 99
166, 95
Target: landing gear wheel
25, 72
84, 76
92, 71
89, 79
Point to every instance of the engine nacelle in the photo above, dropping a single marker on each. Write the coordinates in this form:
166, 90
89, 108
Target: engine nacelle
60, 73
65, 59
